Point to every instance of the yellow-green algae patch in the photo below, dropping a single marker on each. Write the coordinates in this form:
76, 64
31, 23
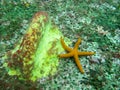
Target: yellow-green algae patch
36, 55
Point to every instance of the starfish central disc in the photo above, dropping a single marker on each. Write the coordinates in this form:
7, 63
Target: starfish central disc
73, 52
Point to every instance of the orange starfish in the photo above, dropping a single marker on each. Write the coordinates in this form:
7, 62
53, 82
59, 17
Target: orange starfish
74, 53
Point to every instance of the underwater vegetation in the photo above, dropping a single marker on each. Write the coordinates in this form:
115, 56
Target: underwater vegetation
96, 22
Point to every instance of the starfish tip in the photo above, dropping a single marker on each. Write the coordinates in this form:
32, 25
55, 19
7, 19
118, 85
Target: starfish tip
79, 39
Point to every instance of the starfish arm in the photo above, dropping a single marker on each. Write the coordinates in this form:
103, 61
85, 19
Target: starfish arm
64, 45
77, 43
66, 55
78, 64
85, 53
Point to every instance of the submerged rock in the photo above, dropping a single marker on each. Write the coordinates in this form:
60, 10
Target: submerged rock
36, 55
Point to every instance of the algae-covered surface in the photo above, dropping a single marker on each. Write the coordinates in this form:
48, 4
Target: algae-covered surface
96, 22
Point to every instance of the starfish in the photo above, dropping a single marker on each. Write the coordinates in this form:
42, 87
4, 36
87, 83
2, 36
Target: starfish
74, 53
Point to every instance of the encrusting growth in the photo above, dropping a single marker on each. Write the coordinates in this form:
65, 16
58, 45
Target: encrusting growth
74, 53
36, 55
